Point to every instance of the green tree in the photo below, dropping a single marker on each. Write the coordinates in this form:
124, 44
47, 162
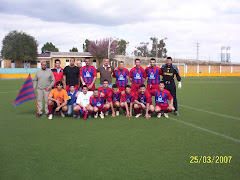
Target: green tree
74, 49
86, 46
159, 47
19, 46
49, 47
142, 50
122, 46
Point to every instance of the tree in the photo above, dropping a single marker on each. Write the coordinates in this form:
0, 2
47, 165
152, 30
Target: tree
86, 46
142, 50
122, 46
158, 47
74, 49
49, 47
99, 49
19, 46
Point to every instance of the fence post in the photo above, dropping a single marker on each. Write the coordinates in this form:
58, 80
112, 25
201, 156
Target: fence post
220, 69
209, 69
231, 69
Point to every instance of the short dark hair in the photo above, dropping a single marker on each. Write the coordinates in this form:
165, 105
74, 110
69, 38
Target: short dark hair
127, 86
105, 80
161, 82
72, 58
153, 59
87, 58
114, 86
85, 86
137, 60
121, 62
72, 85
57, 60
169, 58
59, 83
142, 85
96, 90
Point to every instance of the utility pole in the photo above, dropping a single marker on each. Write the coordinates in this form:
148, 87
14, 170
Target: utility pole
197, 45
109, 46
156, 47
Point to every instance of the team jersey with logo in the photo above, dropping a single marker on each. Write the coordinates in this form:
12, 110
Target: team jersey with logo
97, 101
143, 98
121, 77
127, 98
153, 75
88, 73
61, 96
162, 97
107, 92
137, 75
115, 97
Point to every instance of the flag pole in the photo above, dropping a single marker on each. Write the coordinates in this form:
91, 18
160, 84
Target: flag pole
37, 108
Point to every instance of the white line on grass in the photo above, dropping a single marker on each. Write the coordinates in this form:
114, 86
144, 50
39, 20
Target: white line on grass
212, 82
206, 130
210, 112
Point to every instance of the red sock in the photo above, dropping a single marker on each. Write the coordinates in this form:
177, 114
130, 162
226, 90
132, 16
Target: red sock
137, 110
77, 112
117, 109
124, 108
50, 109
149, 112
105, 110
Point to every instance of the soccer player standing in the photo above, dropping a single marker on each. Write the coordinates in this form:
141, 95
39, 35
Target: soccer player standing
143, 101
137, 76
44, 81
57, 72
71, 75
88, 75
161, 98
121, 74
169, 72
153, 76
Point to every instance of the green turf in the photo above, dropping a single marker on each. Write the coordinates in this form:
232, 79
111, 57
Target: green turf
123, 148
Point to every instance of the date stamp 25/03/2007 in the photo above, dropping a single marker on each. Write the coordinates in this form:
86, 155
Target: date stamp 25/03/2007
210, 159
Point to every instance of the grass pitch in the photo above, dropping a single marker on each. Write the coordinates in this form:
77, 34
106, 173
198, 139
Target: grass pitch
125, 148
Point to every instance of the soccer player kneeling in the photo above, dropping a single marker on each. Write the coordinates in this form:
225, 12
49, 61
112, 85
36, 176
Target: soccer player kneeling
83, 103
143, 101
161, 98
127, 101
97, 102
57, 100
115, 99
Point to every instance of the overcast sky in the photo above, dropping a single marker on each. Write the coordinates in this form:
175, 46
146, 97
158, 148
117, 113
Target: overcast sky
212, 23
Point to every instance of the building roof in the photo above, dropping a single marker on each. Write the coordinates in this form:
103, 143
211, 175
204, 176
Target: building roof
71, 54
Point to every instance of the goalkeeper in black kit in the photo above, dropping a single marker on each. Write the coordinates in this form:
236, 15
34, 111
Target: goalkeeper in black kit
170, 71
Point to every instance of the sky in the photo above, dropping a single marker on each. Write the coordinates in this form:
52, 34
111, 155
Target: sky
211, 23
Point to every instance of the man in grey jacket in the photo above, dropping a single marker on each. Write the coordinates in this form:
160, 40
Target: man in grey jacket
44, 81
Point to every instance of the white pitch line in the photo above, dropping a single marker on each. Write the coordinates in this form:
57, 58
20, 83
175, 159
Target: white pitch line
206, 130
210, 112
212, 82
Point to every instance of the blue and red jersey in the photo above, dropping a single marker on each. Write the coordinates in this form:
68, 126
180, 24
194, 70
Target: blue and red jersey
121, 77
162, 97
88, 73
138, 75
107, 92
143, 98
127, 98
153, 75
97, 101
115, 97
